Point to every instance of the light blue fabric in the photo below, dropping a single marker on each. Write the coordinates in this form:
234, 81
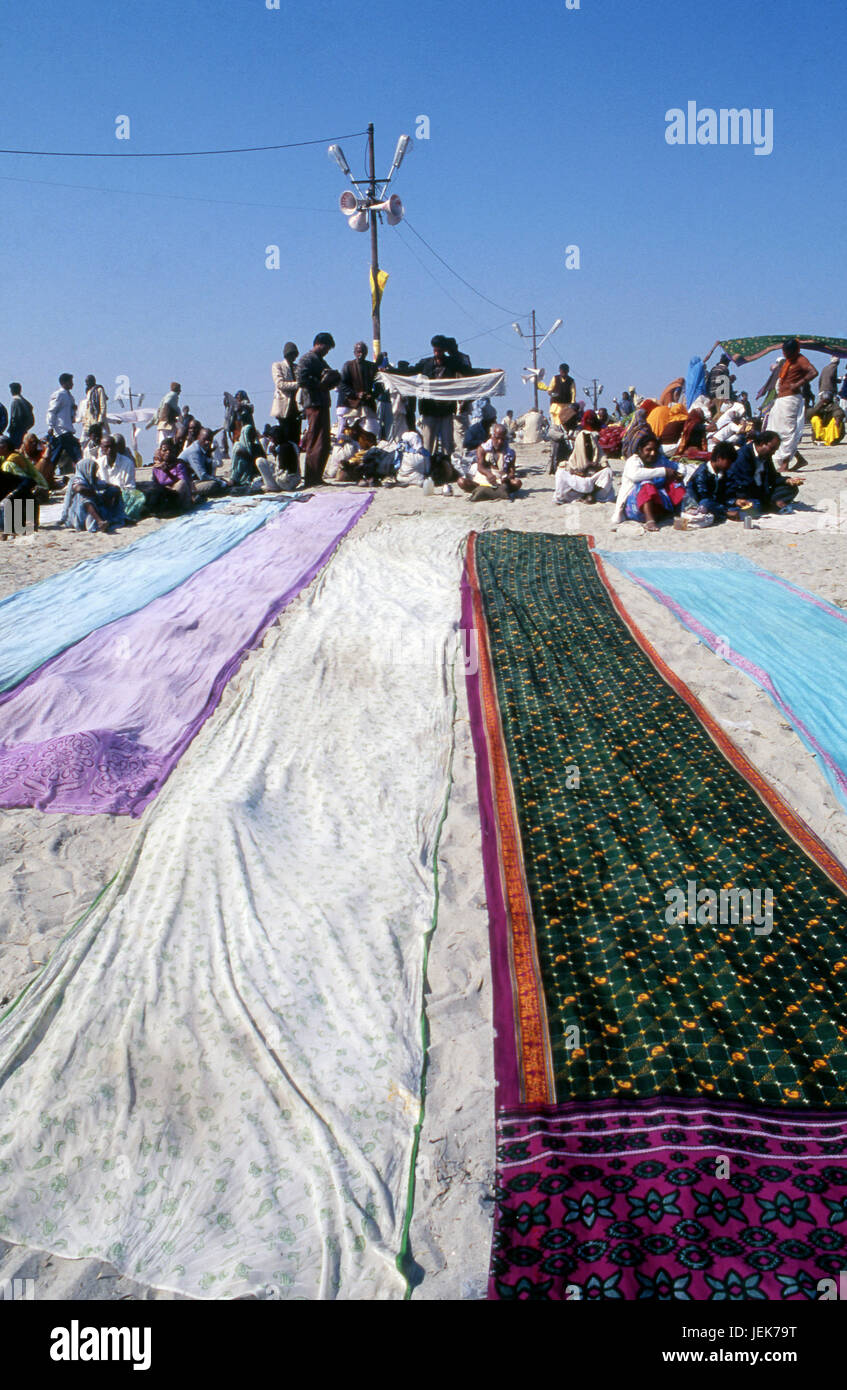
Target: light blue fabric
695, 381
791, 642
42, 620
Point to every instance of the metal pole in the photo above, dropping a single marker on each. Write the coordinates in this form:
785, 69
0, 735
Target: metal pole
534, 362
374, 248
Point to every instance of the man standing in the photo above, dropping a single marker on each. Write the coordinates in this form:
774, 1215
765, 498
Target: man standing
61, 413
284, 408
167, 414
357, 389
436, 426
316, 381
828, 384
719, 384
788, 413
21, 415
562, 390
92, 410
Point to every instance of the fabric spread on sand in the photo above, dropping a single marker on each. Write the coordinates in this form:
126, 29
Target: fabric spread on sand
791, 642
639, 1041
215, 1082
102, 725
38, 622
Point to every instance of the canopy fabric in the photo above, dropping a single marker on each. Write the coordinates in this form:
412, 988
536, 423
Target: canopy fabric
446, 388
743, 350
130, 417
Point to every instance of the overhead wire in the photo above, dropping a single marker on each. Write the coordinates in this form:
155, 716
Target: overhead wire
147, 193
178, 154
467, 283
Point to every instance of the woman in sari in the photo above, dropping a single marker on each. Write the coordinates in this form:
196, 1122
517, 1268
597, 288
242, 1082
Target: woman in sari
637, 431
247, 448
585, 476
667, 422
172, 488
89, 504
672, 392
692, 445
651, 488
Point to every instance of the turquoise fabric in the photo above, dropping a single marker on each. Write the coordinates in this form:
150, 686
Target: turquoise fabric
42, 620
789, 641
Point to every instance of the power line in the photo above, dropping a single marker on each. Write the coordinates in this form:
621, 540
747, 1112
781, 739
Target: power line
487, 331
177, 154
144, 193
504, 307
427, 270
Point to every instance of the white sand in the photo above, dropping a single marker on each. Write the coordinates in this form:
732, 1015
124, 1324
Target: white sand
53, 866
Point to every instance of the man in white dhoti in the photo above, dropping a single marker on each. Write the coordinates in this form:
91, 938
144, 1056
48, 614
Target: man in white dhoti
788, 413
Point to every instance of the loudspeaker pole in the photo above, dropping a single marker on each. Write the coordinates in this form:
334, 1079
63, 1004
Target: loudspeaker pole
534, 360
375, 295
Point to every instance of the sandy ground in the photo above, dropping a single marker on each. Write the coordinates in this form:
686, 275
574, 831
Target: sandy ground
53, 866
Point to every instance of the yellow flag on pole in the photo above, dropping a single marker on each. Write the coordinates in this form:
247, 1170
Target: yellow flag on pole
376, 290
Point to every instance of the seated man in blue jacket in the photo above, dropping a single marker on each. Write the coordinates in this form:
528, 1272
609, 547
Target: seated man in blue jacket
705, 493
753, 482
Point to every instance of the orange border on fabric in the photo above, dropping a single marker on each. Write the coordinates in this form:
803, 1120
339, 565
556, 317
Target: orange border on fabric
800, 832
532, 1036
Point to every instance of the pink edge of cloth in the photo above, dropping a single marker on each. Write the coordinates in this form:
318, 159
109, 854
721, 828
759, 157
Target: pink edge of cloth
100, 727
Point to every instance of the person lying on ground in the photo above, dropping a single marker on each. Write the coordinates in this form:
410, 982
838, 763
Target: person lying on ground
753, 483
494, 477
651, 488
585, 476
730, 427
705, 492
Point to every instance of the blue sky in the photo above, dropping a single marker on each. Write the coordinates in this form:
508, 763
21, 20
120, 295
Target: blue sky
547, 129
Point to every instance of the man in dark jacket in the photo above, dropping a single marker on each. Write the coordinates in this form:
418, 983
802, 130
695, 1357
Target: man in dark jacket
21, 415
705, 493
357, 390
316, 380
752, 478
437, 416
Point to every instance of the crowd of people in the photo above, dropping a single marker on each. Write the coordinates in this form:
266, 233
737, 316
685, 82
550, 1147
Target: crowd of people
696, 464
697, 455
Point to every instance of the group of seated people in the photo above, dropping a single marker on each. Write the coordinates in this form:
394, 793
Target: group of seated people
721, 469
484, 467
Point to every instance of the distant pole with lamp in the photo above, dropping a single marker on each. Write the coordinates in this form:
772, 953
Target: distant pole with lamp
362, 211
533, 334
